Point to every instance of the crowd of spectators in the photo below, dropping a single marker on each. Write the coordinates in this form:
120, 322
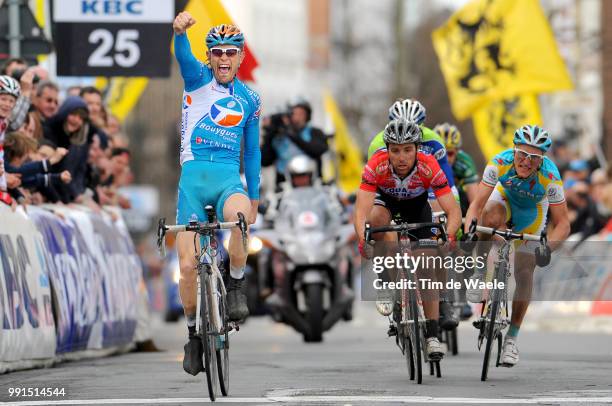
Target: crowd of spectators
588, 191
58, 146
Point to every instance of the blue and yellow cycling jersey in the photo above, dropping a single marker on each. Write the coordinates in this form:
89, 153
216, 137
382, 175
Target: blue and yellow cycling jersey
216, 117
544, 184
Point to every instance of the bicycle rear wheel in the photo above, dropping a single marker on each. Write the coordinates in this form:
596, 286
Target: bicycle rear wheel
208, 341
222, 341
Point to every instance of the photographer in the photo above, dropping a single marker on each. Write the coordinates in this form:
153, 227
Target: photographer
287, 135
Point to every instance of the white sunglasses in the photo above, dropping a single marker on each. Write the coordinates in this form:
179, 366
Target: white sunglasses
218, 52
523, 155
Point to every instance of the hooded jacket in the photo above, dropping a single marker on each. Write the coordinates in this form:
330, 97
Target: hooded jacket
76, 143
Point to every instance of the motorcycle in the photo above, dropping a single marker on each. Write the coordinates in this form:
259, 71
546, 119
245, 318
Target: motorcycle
311, 262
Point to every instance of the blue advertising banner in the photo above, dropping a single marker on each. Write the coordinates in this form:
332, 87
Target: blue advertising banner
94, 273
27, 329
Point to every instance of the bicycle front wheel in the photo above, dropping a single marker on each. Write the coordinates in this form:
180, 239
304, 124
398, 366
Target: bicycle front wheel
414, 335
490, 336
222, 341
208, 338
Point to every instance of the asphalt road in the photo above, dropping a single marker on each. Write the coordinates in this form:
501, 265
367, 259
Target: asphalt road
356, 364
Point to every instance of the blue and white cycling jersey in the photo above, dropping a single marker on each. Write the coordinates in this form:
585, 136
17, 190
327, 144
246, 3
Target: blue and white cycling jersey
216, 117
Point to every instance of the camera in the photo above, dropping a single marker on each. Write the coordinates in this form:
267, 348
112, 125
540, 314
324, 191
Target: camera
18, 73
276, 123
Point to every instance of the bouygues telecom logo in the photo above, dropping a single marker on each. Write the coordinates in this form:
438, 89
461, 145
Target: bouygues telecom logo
226, 112
186, 101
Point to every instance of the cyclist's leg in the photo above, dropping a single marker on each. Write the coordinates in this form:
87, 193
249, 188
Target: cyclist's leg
233, 201
189, 207
380, 215
237, 202
496, 214
530, 221
187, 281
423, 213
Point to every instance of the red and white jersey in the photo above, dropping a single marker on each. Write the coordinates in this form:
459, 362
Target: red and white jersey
378, 176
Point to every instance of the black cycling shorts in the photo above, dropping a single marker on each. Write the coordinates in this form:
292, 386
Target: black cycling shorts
415, 210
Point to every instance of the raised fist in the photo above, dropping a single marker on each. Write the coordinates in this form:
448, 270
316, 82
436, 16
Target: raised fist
182, 21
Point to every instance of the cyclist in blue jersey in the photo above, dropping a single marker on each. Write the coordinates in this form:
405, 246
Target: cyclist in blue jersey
218, 112
519, 188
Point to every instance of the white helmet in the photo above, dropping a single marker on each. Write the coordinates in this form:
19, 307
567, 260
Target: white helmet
402, 132
301, 165
408, 109
8, 85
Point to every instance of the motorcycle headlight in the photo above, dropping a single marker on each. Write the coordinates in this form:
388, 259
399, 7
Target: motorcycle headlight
176, 274
255, 245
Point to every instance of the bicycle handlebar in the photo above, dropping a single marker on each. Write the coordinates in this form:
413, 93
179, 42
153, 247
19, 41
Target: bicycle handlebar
403, 228
200, 228
507, 234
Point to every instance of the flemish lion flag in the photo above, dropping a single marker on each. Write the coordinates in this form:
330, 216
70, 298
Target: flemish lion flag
492, 49
207, 14
347, 151
495, 123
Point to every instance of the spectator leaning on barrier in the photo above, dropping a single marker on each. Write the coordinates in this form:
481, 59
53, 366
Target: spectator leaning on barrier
35, 175
9, 92
70, 129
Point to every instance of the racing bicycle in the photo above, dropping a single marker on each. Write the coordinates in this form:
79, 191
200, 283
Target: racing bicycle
213, 326
494, 315
408, 321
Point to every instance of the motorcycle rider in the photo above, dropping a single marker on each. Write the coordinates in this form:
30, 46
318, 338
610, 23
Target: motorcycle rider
301, 173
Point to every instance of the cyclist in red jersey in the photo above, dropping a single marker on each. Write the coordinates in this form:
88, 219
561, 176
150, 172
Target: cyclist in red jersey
394, 187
